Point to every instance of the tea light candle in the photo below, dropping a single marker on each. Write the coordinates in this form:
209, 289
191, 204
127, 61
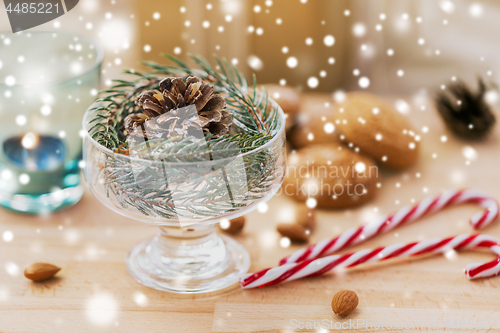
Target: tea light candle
33, 152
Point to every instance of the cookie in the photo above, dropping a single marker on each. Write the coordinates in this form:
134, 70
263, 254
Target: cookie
288, 98
332, 174
313, 128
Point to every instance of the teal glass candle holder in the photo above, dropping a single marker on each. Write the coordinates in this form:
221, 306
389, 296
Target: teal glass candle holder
47, 80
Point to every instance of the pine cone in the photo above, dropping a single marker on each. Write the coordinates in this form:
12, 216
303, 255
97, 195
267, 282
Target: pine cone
466, 112
179, 109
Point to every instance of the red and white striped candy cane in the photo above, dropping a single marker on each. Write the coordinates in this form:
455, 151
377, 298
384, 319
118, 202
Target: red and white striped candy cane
314, 267
405, 215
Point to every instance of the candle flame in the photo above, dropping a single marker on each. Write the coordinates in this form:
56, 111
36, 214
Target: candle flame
29, 140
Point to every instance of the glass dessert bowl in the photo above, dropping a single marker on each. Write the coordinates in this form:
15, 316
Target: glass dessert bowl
185, 195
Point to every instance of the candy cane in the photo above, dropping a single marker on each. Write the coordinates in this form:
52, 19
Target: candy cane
405, 215
314, 267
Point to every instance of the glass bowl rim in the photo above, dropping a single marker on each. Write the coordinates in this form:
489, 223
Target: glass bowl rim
98, 61
108, 151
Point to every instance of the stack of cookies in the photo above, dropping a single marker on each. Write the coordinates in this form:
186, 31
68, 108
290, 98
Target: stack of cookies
339, 149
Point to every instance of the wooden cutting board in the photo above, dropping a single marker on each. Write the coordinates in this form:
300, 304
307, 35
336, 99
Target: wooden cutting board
94, 292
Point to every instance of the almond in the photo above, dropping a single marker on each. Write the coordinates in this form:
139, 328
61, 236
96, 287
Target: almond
40, 271
344, 302
233, 226
305, 216
295, 232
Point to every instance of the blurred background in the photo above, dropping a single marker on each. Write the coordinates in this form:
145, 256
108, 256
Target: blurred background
401, 46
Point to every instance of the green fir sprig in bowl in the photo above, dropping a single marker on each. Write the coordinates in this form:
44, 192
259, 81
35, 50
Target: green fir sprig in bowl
250, 109
181, 144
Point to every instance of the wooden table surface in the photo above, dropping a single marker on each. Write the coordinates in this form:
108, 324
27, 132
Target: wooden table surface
94, 292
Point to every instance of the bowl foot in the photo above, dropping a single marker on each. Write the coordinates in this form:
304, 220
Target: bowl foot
188, 260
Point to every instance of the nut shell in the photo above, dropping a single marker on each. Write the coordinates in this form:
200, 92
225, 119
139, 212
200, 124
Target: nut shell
40, 271
344, 302
384, 134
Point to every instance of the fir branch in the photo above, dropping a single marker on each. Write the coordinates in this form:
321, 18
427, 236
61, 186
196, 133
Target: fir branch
249, 109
